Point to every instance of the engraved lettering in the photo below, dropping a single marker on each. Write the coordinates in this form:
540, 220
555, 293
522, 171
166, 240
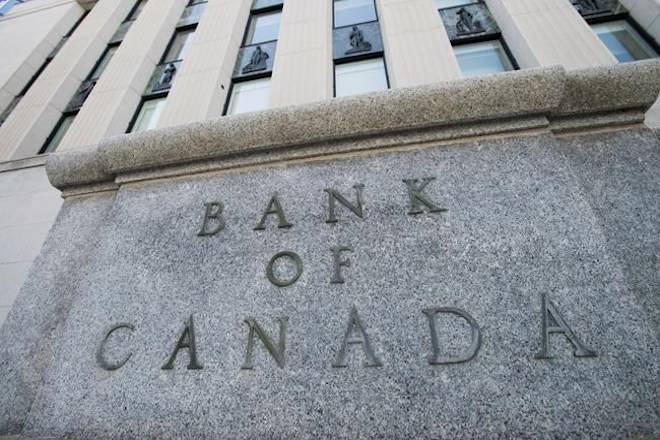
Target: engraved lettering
278, 353
100, 358
187, 341
350, 337
213, 212
553, 322
274, 207
475, 344
337, 277
334, 196
417, 199
270, 273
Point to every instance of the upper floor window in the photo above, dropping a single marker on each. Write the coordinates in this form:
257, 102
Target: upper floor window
179, 45
444, 4
348, 12
263, 27
148, 114
249, 96
136, 10
625, 43
482, 58
358, 77
103, 62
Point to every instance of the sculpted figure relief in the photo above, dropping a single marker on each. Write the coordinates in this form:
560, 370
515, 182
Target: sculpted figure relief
167, 76
466, 23
258, 61
589, 5
358, 44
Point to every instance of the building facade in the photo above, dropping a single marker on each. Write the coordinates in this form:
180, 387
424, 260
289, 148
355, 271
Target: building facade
119, 118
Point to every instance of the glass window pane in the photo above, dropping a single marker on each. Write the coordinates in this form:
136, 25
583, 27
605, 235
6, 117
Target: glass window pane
624, 41
136, 11
149, 115
58, 134
360, 77
249, 96
349, 12
263, 27
442, 4
180, 46
103, 63
482, 58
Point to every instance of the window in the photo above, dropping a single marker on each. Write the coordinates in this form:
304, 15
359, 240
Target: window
263, 27
482, 58
249, 96
625, 43
348, 12
444, 4
179, 46
136, 10
58, 134
360, 77
103, 62
148, 114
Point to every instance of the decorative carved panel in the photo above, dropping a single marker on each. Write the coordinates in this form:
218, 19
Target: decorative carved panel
598, 8
81, 95
163, 77
255, 59
468, 21
357, 40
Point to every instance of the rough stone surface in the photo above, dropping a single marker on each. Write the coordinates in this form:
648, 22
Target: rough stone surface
32, 333
574, 218
547, 92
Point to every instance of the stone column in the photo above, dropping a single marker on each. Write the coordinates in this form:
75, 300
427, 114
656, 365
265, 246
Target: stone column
548, 32
200, 89
417, 48
303, 65
115, 98
34, 30
29, 125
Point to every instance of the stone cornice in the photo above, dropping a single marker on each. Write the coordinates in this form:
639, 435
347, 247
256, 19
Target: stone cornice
453, 110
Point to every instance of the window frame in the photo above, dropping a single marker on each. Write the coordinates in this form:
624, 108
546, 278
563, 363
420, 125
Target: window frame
468, 2
256, 12
134, 9
625, 16
144, 99
54, 131
239, 81
365, 57
491, 37
334, 23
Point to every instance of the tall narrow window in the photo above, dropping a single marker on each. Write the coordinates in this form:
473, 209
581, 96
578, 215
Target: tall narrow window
477, 40
617, 30
154, 98
85, 89
358, 48
250, 89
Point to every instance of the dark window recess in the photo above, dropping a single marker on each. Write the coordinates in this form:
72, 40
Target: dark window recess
263, 27
121, 32
58, 133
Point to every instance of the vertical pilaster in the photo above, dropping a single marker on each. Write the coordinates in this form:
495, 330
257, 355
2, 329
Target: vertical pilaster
548, 32
29, 125
33, 34
303, 65
417, 48
109, 108
200, 88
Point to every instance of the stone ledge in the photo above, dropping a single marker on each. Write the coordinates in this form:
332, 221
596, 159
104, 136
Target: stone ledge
551, 92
